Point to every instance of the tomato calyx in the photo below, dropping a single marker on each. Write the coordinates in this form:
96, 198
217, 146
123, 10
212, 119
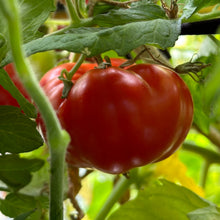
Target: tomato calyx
192, 67
103, 64
64, 76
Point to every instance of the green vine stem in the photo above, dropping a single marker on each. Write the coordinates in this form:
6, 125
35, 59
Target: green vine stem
204, 173
210, 157
58, 139
66, 76
73, 12
80, 60
119, 189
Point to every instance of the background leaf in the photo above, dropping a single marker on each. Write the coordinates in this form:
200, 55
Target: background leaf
121, 38
15, 163
163, 200
17, 132
212, 90
201, 117
207, 213
139, 11
24, 215
33, 13
193, 6
16, 204
15, 179
16, 171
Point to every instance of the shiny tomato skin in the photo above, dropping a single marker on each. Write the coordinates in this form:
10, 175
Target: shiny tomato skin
5, 97
120, 119
146, 71
54, 86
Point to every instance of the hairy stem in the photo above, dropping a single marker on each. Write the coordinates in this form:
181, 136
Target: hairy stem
58, 139
119, 189
204, 174
213, 135
77, 65
73, 12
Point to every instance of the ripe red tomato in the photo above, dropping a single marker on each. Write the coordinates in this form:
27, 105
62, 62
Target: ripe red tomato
5, 97
120, 119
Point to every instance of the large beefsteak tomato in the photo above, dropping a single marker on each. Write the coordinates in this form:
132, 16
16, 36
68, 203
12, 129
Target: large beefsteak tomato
120, 119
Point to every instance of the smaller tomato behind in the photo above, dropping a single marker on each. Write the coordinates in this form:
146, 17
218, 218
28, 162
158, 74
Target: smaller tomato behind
5, 97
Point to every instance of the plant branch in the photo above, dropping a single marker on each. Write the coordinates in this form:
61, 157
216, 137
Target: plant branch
77, 65
119, 189
58, 139
73, 12
204, 173
117, 192
209, 155
213, 135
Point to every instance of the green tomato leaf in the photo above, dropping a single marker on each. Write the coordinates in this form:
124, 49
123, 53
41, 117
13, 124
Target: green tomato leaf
15, 171
193, 6
122, 38
33, 14
139, 12
25, 215
201, 118
13, 162
207, 213
18, 133
16, 204
8, 85
15, 179
158, 200
212, 89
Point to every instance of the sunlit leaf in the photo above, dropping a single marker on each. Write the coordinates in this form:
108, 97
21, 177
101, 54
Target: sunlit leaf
18, 133
122, 38
162, 200
193, 6
207, 213
16, 204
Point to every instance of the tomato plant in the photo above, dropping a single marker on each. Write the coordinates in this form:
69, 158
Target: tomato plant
135, 119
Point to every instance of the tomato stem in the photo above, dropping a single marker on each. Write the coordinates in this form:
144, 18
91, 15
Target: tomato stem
204, 173
73, 12
76, 66
58, 139
66, 77
210, 157
119, 189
